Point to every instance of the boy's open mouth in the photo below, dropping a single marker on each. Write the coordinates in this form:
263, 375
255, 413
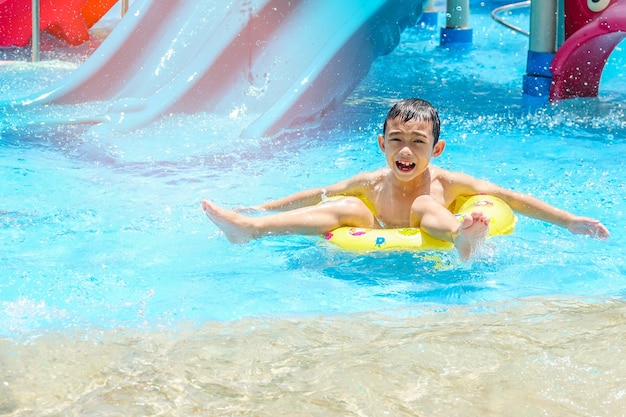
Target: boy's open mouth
405, 166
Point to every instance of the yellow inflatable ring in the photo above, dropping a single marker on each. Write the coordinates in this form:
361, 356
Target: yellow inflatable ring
502, 221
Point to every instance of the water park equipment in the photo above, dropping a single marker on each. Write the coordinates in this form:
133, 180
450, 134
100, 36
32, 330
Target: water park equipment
457, 30
572, 68
541, 47
284, 62
68, 20
593, 28
495, 15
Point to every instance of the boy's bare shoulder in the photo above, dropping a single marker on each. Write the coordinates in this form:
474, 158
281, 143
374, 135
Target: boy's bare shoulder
440, 174
370, 176
359, 184
447, 176
455, 183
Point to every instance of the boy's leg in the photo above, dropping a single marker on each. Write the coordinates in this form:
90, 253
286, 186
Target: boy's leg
312, 220
440, 223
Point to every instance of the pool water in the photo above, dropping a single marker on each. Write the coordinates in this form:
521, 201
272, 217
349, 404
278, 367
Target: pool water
118, 296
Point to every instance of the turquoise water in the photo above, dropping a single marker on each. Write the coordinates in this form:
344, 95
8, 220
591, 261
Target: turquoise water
104, 249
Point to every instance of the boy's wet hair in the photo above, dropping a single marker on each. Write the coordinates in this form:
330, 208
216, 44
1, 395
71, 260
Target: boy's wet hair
415, 109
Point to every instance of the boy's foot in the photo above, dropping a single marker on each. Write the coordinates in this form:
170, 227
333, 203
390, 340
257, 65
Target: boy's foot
471, 234
236, 227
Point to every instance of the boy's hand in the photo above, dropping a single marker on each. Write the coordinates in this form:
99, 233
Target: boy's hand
586, 226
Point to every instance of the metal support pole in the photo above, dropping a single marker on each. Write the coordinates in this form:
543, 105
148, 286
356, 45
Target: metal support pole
124, 7
541, 47
560, 24
543, 26
457, 14
35, 38
430, 16
457, 30
430, 6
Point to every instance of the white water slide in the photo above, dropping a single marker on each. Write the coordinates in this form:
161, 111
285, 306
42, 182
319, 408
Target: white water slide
286, 61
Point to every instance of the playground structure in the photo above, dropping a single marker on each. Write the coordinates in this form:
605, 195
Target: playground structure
570, 42
286, 62
590, 38
571, 67
70, 20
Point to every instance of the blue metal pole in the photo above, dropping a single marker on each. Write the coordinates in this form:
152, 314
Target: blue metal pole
541, 48
430, 16
457, 30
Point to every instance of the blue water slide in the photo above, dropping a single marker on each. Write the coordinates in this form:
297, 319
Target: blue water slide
283, 62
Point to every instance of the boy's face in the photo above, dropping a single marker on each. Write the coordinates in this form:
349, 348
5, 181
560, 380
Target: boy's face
408, 147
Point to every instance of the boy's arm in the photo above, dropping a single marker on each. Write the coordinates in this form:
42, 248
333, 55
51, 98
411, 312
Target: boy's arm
533, 207
310, 197
528, 205
300, 199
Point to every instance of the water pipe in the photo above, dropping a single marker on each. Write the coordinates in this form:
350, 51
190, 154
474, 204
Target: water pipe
495, 15
541, 47
35, 42
457, 30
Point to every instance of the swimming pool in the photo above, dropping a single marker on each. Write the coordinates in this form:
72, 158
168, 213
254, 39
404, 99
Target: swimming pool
118, 296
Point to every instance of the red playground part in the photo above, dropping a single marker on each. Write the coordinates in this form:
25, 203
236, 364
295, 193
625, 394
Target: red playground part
68, 20
593, 29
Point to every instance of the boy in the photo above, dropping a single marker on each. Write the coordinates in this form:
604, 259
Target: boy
410, 192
